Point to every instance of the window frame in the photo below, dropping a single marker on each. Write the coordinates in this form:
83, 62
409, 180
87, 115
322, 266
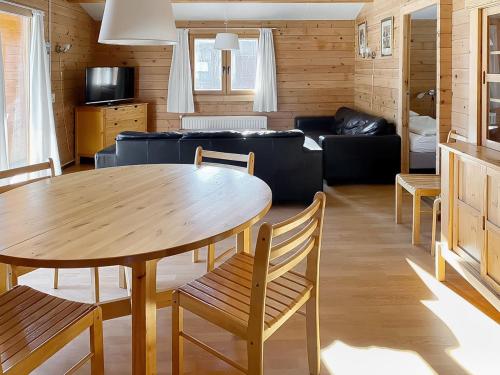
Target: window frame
226, 65
487, 78
192, 61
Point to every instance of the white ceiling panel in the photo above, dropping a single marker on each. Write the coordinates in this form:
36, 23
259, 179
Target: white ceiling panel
252, 11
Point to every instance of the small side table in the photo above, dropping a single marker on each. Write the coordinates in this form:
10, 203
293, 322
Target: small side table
418, 185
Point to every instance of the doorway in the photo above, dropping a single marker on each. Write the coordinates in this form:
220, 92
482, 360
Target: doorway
423, 129
425, 83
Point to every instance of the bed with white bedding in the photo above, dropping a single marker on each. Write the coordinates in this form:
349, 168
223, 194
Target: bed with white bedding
423, 142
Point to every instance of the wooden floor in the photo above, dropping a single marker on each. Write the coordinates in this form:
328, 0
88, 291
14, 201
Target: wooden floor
381, 310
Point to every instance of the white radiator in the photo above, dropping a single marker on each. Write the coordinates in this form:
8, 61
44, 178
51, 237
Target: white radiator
224, 122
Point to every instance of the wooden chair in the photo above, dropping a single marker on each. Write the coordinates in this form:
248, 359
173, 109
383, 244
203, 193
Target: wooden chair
199, 160
421, 185
16, 272
252, 296
34, 326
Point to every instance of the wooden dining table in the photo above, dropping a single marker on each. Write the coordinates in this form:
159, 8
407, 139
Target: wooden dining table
131, 216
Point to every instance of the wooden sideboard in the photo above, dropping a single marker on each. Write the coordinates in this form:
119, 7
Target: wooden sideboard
98, 126
470, 214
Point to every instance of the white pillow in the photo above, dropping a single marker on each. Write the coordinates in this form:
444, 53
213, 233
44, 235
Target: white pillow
413, 114
423, 125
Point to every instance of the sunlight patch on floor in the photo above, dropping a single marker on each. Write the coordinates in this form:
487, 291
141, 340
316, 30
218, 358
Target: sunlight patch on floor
342, 359
478, 335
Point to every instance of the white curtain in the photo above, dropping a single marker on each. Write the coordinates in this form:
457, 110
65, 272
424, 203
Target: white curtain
4, 154
42, 130
266, 92
180, 86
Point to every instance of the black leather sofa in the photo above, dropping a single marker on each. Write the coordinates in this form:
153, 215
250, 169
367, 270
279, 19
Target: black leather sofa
289, 162
357, 147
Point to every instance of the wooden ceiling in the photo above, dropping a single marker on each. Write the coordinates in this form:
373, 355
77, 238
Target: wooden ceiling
242, 1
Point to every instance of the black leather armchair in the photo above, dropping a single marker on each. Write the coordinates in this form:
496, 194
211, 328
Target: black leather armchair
357, 147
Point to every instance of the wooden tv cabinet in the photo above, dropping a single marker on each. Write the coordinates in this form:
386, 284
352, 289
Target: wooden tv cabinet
98, 126
470, 216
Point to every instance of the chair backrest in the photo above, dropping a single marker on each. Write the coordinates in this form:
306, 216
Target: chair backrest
280, 248
453, 135
48, 165
248, 160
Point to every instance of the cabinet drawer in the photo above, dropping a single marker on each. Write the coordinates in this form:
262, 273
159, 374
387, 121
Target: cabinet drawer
138, 123
125, 112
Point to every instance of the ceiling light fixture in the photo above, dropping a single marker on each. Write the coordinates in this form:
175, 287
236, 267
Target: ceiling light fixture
138, 23
226, 41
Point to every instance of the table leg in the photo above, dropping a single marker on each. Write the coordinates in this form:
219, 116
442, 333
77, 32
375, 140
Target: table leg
4, 273
144, 318
399, 202
243, 241
416, 220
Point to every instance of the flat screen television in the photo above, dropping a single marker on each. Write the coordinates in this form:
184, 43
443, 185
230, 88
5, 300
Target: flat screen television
108, 85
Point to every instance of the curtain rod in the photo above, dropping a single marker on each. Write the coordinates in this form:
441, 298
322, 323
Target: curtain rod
21, 6
228, 28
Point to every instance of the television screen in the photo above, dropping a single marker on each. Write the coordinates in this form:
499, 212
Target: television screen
105, 85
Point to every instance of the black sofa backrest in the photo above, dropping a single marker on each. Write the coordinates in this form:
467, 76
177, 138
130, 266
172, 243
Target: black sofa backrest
351, 122
291, 166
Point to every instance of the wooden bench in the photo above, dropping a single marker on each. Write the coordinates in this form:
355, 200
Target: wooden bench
418, 185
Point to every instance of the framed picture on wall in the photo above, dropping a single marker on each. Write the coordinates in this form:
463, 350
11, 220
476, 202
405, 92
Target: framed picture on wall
386, 36
362, 38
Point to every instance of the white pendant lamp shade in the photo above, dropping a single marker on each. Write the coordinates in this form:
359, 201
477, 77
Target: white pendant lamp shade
138, 23
227, 41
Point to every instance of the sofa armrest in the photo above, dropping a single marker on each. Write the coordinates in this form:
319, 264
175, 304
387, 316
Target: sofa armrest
106, 158
361, 158
315, 124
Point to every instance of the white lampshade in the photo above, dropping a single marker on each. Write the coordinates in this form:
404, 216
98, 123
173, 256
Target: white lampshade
227, 41
138, 23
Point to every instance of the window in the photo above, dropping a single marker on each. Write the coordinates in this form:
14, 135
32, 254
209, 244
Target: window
207, 66
223, 72
14, 34
244, 66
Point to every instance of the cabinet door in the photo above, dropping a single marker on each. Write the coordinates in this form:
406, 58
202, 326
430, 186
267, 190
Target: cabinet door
490, 260
468, 233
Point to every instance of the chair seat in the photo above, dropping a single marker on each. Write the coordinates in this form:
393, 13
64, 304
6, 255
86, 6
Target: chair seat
227, 289
29, 318
424, 184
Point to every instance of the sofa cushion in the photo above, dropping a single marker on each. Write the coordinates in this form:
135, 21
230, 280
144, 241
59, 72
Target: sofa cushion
351, 122
130, 135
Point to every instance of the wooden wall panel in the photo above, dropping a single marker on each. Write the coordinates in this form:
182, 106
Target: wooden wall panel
315, 66
376, 81
460, 66
423, 65
70, 24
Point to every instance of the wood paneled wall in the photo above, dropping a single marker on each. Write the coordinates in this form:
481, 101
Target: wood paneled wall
70, 24
423, 65
460, 65
315, 66
376, 81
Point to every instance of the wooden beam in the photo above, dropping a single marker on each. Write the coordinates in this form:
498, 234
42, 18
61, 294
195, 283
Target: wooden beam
239, 1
